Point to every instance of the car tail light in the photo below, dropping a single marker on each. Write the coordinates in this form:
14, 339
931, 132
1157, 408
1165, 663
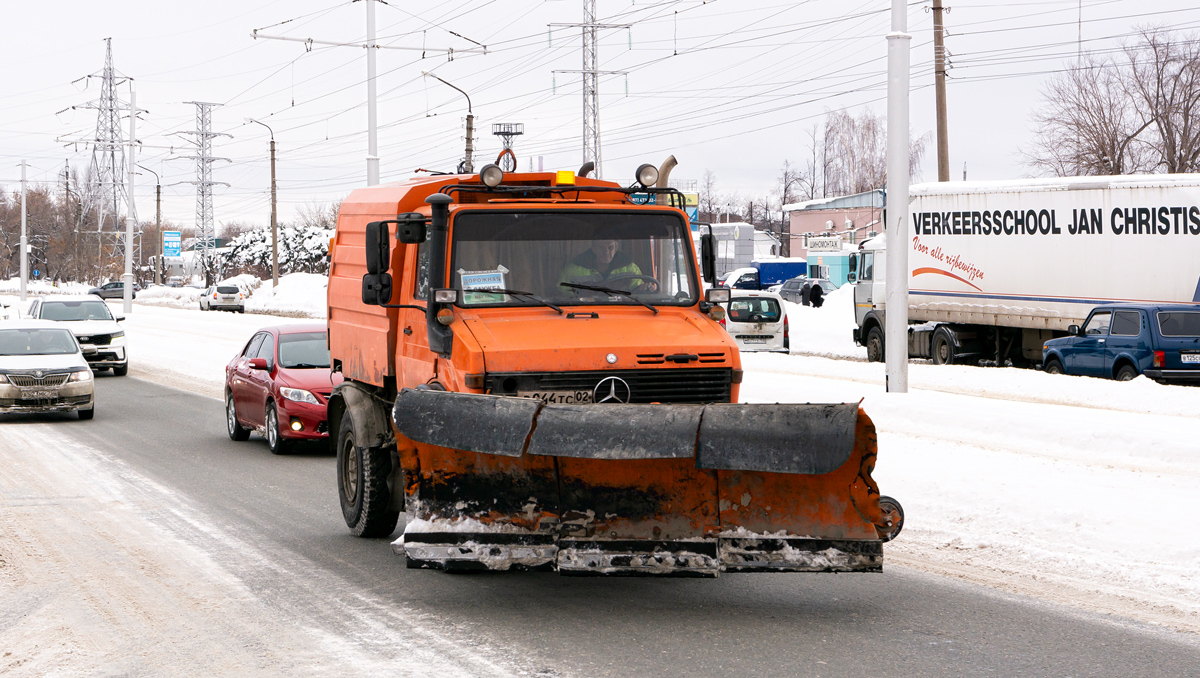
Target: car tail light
785, 327
1160, 359
214, 295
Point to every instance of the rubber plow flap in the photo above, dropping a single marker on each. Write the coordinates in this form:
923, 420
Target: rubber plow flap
808, 439
617, 431
466, 421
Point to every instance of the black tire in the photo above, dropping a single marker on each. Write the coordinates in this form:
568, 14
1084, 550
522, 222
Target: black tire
888, 505
942, 348
275, 440
232, 426
121, 370
88, 413
1126, 372
875, 345
362, 474
1053, 366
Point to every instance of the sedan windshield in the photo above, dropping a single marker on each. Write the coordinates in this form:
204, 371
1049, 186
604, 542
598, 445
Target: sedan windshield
75, 310
37, 342
572, 258
303, 350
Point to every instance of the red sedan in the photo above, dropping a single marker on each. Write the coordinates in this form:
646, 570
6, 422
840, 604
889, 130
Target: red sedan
279, 385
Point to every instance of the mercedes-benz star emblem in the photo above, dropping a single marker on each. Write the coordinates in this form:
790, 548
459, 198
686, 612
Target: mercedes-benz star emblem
611, 390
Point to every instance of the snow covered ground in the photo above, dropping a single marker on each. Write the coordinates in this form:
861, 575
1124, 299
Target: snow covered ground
1073, 489
300, 295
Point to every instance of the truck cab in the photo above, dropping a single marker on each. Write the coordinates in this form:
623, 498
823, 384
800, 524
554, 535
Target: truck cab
867, 268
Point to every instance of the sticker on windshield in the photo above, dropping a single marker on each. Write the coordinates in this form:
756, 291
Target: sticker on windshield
484, 280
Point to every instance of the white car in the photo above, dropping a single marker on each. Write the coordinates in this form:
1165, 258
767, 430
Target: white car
93, 324
223, 298
756, 320
42, 369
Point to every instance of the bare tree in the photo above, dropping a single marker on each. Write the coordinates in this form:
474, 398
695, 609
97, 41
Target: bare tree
1164, 75
1088, 124
708, 199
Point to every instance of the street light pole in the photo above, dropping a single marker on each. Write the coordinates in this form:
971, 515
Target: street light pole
157, 224
468, 166
24, 244
131, 217
895, 318
274, 226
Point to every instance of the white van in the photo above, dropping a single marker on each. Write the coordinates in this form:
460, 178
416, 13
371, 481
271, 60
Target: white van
757, 320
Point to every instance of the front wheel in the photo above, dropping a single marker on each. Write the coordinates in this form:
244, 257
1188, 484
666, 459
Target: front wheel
121, 370
88, 413
362, 474
1053, 366
875, 345
275, 441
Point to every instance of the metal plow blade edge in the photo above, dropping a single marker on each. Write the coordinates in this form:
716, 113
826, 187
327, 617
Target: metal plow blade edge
501, 483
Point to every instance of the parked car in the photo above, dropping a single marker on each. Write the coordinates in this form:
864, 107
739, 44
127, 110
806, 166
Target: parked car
113, 290
793, 290
756, 320
278, 385
42, 369
223, 298
743, 279
94, 327
1121, 341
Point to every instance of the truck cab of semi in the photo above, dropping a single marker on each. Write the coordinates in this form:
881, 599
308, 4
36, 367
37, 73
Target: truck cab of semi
867, 268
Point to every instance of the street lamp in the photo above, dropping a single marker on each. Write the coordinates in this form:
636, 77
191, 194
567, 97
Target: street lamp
157, 224
274, 228
467, 166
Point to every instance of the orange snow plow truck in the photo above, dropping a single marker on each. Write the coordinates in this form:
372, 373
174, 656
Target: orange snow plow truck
536, 378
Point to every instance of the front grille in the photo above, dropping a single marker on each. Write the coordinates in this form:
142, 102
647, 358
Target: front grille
664, 385
30, 381
96, 339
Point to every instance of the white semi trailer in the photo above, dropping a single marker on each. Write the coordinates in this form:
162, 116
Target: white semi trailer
996, 268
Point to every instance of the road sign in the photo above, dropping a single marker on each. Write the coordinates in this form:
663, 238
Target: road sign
172, 241
36, 272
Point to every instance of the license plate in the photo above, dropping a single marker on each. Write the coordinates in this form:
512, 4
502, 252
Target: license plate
754, 340
558, 397
38, 395
1189, 357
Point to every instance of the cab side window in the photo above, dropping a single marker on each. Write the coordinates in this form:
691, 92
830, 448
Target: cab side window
867, 264
1127, 323
421, 287
266, 350
1098, 325
252, 347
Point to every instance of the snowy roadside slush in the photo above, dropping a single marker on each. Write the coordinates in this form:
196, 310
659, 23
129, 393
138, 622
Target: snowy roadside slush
1072, 489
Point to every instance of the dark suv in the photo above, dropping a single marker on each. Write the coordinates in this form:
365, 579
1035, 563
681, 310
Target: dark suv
1161, 341
113, 290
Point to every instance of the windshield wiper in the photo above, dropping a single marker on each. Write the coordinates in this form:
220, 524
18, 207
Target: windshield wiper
305, 366
608, 290
516, 293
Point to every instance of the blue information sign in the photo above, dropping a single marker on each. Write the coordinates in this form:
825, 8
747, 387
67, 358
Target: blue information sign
172, 241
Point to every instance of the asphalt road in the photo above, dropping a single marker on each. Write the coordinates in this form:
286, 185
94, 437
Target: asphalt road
901, 622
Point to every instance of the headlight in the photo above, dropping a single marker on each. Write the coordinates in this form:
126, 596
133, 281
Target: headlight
82, 375
117, 335
3, 379
299, 395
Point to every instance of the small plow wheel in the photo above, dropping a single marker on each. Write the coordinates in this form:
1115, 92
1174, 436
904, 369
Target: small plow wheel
893, 514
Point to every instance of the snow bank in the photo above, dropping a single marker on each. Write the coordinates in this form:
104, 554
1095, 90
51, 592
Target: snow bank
298, 294
178, 297
825, 331
12, 287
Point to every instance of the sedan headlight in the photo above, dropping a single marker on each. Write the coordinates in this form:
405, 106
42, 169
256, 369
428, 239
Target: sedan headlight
82, 375
299, 395
3, 379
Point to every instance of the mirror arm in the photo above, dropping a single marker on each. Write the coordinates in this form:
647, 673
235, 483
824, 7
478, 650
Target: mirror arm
417, 308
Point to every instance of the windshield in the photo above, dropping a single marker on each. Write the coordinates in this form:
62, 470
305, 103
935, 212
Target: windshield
37, 342
644, 254
75, 310
303, 350
754, 310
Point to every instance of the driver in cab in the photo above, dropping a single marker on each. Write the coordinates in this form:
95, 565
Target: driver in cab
604, 264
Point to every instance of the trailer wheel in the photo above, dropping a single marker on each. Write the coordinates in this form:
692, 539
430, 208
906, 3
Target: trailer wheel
875, 345
943, 348
1127, 372
895, 511
1053, 366
362, 474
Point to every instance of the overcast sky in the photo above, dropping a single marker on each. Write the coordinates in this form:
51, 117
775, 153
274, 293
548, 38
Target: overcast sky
729, 86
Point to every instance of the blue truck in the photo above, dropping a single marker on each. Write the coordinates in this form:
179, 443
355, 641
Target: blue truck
1122, 341
776, 271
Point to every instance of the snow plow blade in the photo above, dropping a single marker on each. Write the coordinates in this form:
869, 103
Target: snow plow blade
500, 483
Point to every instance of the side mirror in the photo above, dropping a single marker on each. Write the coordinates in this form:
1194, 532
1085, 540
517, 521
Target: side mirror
708, 257
852, 274
120, 318
376, 289
378, 247
1074, 331
258, 363
717, 295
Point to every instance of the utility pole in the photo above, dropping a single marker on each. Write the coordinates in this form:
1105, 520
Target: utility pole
274, 227
896, 310
157, 224
371, 46
131, 215
24, 242
590, 74
939, 81
205, 232
468, 167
